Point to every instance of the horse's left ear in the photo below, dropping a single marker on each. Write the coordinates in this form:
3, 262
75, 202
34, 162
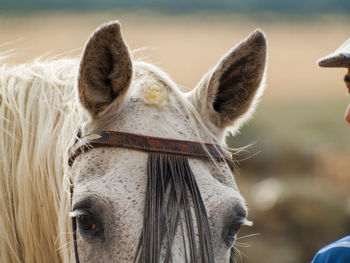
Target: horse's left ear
105, 69
228, 92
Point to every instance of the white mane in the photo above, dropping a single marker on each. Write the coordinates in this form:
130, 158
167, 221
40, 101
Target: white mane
39, 116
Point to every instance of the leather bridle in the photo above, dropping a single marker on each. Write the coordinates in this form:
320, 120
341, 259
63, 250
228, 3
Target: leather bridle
141, 143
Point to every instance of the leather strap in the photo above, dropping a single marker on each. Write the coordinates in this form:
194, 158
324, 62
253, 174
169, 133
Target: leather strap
147, 144
74, 227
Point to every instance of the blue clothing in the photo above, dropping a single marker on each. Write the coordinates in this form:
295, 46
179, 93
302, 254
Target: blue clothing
336, 252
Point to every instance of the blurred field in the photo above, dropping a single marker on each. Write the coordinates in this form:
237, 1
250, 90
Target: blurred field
187, 46
296, 176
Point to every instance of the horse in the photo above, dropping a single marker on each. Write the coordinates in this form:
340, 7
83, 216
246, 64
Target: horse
127, 204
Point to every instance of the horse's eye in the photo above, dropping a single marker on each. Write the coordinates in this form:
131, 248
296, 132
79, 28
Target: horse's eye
232, 233
234, 228
86, 222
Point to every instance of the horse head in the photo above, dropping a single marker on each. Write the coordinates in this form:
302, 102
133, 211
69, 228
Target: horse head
133, 205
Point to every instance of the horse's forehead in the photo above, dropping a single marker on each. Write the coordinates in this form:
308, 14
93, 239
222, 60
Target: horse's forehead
151, 90
151, 86
153, 106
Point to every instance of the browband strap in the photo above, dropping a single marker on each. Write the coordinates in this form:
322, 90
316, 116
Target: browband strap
147, 144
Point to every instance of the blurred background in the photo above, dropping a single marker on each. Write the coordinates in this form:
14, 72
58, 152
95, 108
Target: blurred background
296, 173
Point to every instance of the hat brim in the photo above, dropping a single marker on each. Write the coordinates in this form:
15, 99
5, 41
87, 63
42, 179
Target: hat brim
339, 60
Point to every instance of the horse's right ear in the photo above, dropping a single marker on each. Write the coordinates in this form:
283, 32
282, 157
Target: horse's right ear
229, 92
105, 69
